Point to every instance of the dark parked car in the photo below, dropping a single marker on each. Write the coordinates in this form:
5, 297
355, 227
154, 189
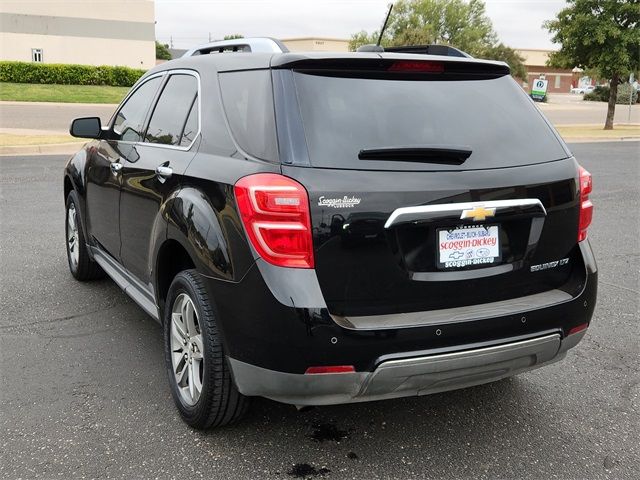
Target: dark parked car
328, 228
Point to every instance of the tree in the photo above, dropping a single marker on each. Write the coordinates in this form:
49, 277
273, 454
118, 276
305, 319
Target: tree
233, 36
601, 35
460, 23
508, 55
162, 51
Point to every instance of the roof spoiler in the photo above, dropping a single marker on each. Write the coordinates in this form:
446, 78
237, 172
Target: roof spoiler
254, 45
444, 50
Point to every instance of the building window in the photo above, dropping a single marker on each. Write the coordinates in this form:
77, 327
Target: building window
36, 55
557, 82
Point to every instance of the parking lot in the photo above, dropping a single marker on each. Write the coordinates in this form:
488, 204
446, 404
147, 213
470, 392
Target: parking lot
83, 391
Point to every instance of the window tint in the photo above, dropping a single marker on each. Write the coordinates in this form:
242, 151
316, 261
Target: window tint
191, 127
170, 114
130, 119
494, 118
248, 102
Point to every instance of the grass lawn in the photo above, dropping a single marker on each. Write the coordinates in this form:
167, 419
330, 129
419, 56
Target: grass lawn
35, 92
569, 132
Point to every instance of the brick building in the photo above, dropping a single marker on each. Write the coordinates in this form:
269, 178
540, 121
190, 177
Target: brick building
560, 80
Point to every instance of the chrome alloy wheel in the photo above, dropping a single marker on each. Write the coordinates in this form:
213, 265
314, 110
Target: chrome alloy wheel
73, 240
186, 349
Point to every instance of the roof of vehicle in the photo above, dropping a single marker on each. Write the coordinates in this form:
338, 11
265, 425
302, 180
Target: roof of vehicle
226, 62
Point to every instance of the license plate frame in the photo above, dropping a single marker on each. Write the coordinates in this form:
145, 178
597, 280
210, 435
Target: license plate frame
479, 246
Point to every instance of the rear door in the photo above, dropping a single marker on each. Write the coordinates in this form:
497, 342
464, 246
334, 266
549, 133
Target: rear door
430, 190
154, 174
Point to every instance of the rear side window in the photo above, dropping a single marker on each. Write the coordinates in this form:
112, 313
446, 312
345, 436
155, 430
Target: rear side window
248, 103
170, 116
493, 118
130, 118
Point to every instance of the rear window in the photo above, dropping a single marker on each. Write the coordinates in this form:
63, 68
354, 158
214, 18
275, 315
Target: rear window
342, 116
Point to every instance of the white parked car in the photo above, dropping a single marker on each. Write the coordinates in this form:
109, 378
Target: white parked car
583, 89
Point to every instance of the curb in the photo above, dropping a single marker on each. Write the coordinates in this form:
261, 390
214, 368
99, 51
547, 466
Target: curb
50, 149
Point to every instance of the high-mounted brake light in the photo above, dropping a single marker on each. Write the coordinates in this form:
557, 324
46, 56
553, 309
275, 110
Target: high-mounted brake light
275, 213
416, 66
586, 207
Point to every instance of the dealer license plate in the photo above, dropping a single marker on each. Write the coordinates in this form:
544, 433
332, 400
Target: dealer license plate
461, 247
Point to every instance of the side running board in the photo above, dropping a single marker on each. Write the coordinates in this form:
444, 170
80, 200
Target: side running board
143, 296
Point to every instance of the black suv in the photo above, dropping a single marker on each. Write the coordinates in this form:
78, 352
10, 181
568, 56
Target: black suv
329, 228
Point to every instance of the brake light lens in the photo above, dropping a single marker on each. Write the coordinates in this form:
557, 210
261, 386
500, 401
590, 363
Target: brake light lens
275, 213
330, 369
586, 207
578, 329
416, 66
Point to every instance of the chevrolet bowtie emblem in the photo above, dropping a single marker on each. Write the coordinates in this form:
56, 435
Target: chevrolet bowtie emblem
478, 213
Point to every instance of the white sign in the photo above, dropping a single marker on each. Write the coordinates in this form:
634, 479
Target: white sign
539, 87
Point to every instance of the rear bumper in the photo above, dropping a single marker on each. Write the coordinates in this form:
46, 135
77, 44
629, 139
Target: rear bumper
409, 376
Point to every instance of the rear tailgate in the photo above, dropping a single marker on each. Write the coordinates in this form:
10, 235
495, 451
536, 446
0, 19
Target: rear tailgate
365, 268
403, 222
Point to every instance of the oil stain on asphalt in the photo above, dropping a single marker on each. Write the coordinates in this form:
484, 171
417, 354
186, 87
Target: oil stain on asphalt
304, 470
323, 432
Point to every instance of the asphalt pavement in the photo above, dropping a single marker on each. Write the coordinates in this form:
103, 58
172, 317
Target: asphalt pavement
83, 392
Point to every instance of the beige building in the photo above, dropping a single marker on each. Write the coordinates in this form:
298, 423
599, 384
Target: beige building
317, 44
88, 32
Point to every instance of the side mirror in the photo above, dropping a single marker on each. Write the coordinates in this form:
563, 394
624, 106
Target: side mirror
88, 127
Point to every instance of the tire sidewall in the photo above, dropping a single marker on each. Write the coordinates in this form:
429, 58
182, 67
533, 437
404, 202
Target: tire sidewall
72, 198
191, 413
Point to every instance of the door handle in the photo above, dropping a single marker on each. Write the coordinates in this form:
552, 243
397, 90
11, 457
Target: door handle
116, 167
163, 171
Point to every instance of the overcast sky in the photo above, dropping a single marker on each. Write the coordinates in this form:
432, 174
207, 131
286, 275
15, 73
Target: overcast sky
189, 22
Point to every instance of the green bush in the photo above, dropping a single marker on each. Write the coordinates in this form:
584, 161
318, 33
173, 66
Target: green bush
624, 90
25, 72
599, 94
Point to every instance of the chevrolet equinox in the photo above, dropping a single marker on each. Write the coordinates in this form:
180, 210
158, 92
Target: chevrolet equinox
321, 228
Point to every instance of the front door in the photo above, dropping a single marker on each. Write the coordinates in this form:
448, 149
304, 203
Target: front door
104, 173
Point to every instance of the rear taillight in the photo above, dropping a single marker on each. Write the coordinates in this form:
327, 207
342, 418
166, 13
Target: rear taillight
586, 207
275, 213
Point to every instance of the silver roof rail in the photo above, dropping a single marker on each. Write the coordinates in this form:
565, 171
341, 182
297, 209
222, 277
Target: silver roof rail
254, 45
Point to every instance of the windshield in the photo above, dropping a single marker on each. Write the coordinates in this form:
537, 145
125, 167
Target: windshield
493, 118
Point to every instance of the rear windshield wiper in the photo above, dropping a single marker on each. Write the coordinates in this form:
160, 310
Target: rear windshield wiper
442, 154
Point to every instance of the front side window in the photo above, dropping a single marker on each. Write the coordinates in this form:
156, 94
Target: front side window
175, 118
130, 118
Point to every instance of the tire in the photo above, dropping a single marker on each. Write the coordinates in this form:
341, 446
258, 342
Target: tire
81, 266
197, 361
